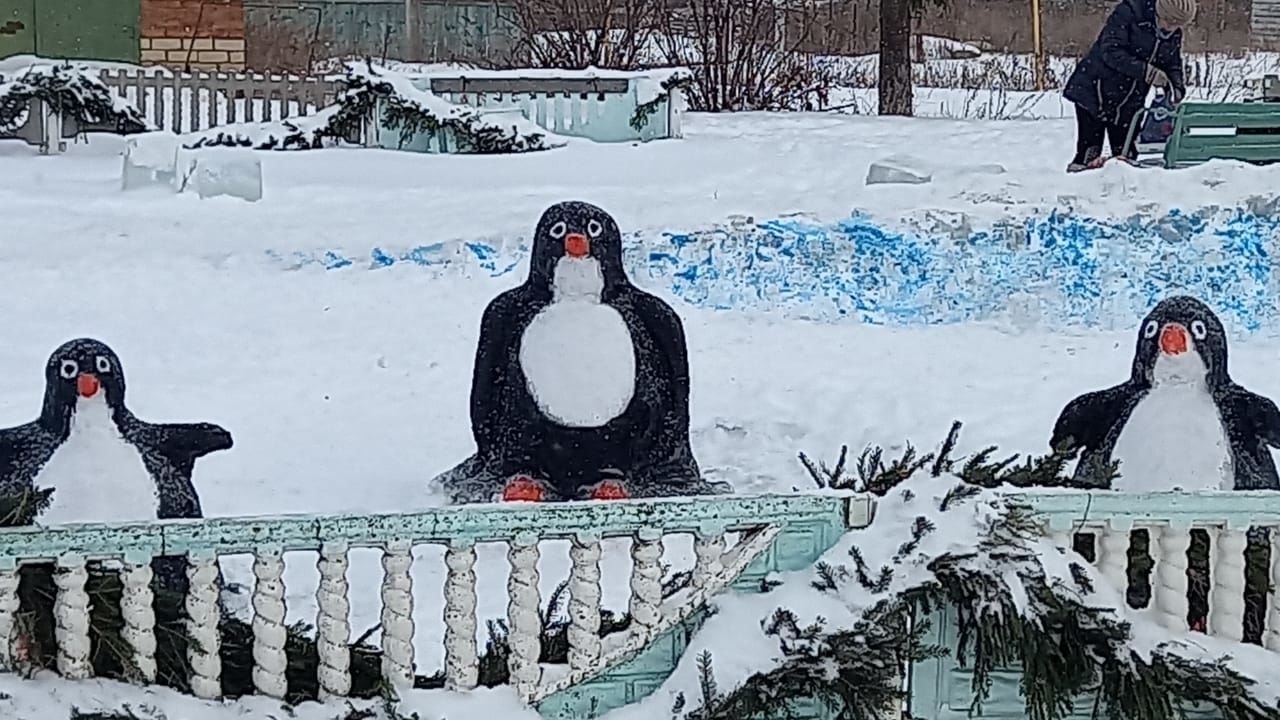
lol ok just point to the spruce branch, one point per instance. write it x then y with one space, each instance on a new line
826 478
1075 655
707 681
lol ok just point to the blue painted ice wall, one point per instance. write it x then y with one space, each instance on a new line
1053 267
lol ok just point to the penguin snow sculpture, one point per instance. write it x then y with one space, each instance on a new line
104 464
1179 421
581 380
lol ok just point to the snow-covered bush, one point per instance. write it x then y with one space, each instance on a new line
948 532
409 110
72 91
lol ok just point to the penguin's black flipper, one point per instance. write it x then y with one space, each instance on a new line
181 444
489 376
1253 427
663 454
1085 421
1257 413
23 451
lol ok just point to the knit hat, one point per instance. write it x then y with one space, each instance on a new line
1176 12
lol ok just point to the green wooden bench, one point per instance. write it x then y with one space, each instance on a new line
1228 131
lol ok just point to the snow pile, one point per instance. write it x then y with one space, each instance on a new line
19 64
1052 266
964 532
48 697
933 47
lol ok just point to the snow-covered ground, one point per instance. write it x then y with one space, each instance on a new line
346 390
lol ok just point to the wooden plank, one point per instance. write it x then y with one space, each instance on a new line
529 85
481 523
1239 508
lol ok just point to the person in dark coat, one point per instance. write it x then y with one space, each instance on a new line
1140 47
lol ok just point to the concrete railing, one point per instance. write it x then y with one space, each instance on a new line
775 533
1106 523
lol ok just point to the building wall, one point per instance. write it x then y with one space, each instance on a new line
195 34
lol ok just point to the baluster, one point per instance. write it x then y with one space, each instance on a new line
397 614
524 614
202 626
139 616
461 662
8 613
708 550
269 661
1169 592
584 602
646 580
1113 557
71 617
333 628
1227 573
1271 639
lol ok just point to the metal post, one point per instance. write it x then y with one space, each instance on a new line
1038 58
412 32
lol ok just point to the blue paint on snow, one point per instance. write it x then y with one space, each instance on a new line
1053 268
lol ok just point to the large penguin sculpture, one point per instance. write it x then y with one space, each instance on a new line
102 462
1178 421
581 382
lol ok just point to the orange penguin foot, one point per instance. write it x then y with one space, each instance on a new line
523 488
610 490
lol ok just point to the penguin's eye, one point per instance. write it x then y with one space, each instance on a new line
558 230
1150 330
103 364
69 369
1198 330
594 228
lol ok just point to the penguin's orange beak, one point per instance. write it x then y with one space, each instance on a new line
1173 339
576 245
88 385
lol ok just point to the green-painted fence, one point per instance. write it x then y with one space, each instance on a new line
776 533
82 29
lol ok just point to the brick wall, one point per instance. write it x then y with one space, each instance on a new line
202 34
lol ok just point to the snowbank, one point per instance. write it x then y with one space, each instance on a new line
18 64
1053 266
48 697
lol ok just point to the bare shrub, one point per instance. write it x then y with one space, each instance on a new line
747 54
576 34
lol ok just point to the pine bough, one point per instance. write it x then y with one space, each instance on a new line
75 92
409 110
844 633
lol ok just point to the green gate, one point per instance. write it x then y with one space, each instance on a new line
17 27
81 29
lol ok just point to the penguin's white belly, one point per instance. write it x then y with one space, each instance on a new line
97 475
579 361
1174 438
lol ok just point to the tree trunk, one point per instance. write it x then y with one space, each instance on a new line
895 57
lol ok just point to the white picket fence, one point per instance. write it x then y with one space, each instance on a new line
191 102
